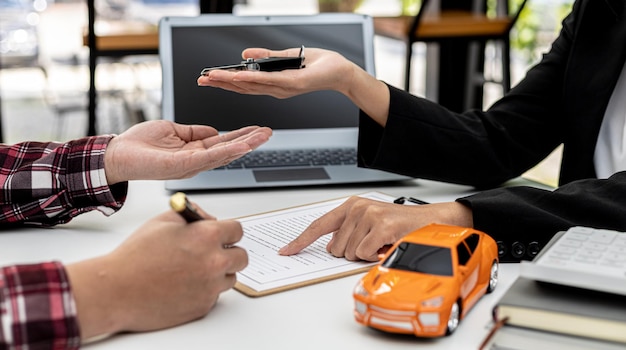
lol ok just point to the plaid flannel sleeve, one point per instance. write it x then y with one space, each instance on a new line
37 309
50 183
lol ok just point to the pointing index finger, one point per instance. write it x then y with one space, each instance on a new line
326 224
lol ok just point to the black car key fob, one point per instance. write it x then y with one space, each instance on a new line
268 64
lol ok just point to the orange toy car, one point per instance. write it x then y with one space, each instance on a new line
428 281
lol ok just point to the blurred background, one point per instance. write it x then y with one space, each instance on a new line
44 72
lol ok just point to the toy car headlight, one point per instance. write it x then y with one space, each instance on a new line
433 302
360 290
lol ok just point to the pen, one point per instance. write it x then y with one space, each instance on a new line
401 200
181 205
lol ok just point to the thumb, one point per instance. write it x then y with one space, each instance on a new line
257 53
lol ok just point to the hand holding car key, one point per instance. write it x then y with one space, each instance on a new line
268 64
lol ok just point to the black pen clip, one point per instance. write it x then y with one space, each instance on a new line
402 200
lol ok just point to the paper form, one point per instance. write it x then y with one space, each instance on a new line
265 234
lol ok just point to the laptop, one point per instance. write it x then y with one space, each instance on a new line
315 135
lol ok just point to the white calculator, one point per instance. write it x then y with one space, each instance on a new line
582 257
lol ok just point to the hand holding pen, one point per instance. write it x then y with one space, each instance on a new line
179 202
166 273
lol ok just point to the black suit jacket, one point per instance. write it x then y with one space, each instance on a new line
560 101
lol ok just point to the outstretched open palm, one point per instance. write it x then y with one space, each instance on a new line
160 150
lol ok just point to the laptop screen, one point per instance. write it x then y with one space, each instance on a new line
190 44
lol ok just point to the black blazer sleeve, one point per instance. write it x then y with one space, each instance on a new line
523 219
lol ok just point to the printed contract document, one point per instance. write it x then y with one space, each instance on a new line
264 234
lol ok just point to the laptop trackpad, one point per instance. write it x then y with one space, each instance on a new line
290 174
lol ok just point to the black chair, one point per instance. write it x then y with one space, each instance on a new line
141 42
448 26
97 48
216 6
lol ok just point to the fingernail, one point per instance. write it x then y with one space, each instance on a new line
282 250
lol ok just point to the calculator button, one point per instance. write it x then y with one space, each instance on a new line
620 241
584 260
581 230
596 246
590 254
618 250
578 237
603 236
612 265
571 243
615 257
564 250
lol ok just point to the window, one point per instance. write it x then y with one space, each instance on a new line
472 242
421 258
463 253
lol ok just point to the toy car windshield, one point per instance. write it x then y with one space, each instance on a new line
421 258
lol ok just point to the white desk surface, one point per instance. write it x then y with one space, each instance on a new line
312 317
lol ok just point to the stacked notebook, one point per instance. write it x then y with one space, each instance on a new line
561 314
551 307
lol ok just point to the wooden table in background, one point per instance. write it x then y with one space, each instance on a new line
115 39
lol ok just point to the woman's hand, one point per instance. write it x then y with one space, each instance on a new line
363 227
324 70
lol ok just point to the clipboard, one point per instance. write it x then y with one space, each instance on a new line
255 293
269 273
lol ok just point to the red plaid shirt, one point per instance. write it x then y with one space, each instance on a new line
50 183
46 184
37 310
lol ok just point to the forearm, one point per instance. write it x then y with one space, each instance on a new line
93 285
425 140
50 183
37 306
369 94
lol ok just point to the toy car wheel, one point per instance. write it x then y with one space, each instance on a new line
453 320
493 277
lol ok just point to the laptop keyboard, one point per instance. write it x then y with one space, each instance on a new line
287 158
